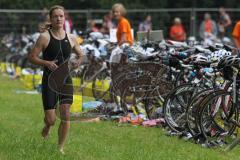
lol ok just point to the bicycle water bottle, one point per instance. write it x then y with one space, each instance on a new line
191 75
182 55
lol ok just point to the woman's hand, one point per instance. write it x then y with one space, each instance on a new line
51 65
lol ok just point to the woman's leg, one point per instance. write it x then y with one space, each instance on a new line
64 125
49 120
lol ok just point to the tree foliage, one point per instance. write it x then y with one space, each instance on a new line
106 4
27 4
162 20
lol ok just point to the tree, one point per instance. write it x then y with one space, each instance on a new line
27 4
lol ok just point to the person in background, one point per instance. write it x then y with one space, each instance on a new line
177 32
44 17
123 26
224 22
236 34
146 25
107 23
208 27
92 26
68 24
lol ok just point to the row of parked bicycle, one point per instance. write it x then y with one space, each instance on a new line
193 87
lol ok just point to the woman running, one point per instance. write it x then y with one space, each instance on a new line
56 46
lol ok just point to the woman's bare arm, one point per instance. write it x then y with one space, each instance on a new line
77 50
37 49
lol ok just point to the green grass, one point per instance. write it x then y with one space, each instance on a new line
21 121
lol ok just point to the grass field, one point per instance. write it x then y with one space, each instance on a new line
21 121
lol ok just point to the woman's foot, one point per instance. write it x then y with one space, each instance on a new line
61 150
45 131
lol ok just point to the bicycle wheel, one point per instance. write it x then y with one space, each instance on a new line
101 85
192 111
175 105
154 107
84 74
216 115
89 70
155 100
129 102
179 80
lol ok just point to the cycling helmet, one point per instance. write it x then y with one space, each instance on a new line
223 52
217 55
172 51
226 40
225 64
199 59
229 61
222 63
232 61
191 41
138 50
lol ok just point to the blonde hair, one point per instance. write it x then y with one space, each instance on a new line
121 7
47 25
177 20
54 8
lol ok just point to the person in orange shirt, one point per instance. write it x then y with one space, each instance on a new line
123 26
208 27
177 32
236 34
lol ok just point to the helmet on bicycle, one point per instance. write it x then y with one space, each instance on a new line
229 61
217 55
199 59
232 61
172 51
225 64
222 62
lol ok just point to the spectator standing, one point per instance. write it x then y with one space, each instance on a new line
107 23
224 22
208 27
236 34
177 32
68 24
123 26
146 25
92 27
44 16
43 19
